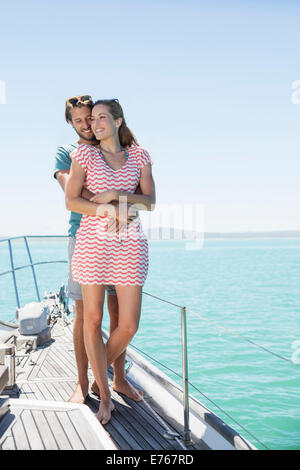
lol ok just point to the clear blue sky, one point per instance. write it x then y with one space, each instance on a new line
206 88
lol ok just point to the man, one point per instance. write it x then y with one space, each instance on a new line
78 114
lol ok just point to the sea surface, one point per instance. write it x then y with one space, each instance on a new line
246 288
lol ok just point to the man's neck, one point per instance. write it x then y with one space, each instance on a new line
82 141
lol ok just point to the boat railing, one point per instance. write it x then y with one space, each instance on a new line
31 264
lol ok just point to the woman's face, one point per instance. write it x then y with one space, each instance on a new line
103 124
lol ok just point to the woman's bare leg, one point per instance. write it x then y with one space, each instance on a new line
129 300
93 298
119 363
120 383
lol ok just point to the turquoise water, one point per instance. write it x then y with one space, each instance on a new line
249 286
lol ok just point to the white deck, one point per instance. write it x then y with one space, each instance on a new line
49 373
35 425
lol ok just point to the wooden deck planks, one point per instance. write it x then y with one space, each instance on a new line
197 444
57 391
54 378
71 431
8 444
20 434
88 438
27 393
60 361
115 424
37 429
58 430
143 425
154 427
33 431
47 435
141 429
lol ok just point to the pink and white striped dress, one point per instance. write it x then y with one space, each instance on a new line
101 257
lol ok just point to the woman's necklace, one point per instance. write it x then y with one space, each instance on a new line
122 150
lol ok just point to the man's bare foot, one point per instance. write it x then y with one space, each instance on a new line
105 410
123 386
95 388
80 394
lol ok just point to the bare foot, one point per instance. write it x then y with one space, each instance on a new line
105 410
80 394
95 388
123 386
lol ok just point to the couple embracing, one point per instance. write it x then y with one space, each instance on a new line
107 178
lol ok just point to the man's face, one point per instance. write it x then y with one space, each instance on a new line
81 121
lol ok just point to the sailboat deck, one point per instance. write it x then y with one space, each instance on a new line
49 373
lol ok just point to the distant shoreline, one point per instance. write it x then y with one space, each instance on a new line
276 234
176 234
179 235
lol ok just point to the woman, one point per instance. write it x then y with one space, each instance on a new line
107 251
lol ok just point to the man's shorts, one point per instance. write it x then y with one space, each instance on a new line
74 288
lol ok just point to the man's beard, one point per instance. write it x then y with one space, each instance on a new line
92 139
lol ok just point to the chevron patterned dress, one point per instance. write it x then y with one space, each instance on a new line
101 257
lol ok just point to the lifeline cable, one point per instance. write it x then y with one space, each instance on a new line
240 336
209 399
233 333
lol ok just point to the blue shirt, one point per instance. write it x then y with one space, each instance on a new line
63 162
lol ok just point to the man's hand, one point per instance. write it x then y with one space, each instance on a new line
123 216
105 197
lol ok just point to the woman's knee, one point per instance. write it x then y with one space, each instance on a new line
129 329
92 319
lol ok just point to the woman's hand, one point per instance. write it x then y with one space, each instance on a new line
122 216
105 197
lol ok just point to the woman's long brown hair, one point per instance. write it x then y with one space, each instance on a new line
127 139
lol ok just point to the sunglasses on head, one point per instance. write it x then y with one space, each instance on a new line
107 100
79 99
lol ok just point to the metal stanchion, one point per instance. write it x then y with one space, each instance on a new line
186 430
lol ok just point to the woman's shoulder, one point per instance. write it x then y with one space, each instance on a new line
83 154
142 155
136 150
87 148
83 149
